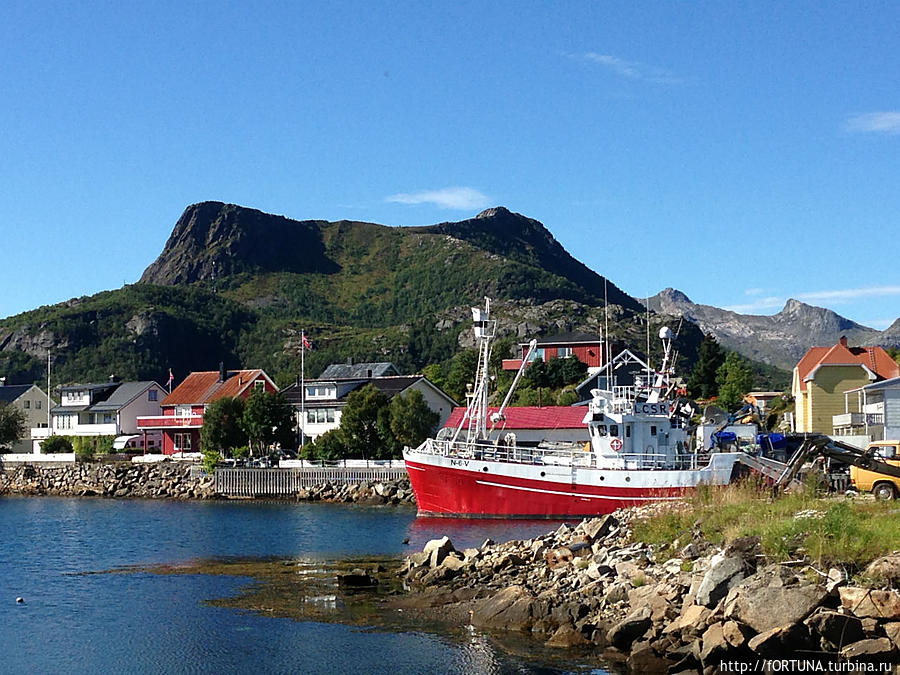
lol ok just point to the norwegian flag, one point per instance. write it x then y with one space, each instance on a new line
305 341
171 377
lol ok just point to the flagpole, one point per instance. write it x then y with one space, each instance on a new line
302 388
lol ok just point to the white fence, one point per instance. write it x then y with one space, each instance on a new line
33 457
252 482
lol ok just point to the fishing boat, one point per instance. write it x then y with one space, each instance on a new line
638 450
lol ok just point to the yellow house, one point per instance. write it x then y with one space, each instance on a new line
825 373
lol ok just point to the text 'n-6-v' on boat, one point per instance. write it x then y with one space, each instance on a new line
638 450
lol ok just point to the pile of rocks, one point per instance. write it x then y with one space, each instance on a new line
591 587
367 492
122 480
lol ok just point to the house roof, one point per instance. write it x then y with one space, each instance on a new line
11 392
390 385
873 359
204 386
572 338
124 394
343 371
531 417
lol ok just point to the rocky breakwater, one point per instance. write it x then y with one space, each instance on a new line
393 492
591 588
120 480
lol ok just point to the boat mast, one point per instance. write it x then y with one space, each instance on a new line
475 418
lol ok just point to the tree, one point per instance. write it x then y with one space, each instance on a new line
535 375
267 419
703 383
735 378
330 446
12 424
56 444
411 420
222 426
363 423
461 373
565 370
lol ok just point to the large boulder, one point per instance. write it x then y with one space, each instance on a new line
725 572
835 630
767 607
884 571
630 628
509 609
437 550
866 602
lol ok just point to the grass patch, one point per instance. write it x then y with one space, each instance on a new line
823 530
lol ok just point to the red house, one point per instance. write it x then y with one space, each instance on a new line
586 347
183 409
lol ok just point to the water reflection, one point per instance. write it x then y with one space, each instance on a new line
472 532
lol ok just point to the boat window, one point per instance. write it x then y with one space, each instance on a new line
627 431
601 429
653 430
613 429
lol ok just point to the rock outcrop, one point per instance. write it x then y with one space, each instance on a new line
589 587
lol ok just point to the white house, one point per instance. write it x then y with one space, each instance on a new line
108 409
871 413
322 400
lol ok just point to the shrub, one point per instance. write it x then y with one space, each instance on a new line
56 444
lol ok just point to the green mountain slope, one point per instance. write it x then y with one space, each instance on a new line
238 285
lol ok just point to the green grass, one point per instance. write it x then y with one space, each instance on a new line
835 530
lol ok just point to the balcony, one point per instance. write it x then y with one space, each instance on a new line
857 420
170 422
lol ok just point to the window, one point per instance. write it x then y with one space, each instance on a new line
653 431
613 429
563 352
601 429
182 411
260 384
311 416
331 412
627 431
182 442
26 404
152 394
37 404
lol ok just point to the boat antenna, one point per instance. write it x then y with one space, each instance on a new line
649 369
499 415
607 350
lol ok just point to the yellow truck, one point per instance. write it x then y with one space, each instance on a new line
883 486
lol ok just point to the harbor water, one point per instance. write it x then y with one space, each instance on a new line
89 607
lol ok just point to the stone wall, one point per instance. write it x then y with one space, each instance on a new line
154 481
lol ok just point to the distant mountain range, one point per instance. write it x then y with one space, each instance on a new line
779 340
235 284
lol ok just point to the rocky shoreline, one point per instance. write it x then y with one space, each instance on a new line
119 480
168 480
590 588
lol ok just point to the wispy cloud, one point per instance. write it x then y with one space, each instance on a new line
759 305
633 70
463 198
876 122
827 297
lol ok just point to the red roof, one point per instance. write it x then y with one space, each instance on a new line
875 359
204 386
531 417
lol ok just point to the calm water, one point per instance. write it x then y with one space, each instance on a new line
147 623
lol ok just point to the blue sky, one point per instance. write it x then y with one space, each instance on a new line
743 153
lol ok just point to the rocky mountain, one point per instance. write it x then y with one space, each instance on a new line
779 340
238 285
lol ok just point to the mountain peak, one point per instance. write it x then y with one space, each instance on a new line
494 212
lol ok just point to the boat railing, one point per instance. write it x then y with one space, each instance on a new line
501 452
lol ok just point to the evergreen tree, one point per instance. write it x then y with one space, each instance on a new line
12 424
222 430
735 378
412 421
702 382
363 422
267 419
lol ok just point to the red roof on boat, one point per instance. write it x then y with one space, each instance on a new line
531 417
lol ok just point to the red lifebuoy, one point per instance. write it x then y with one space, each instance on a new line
616 444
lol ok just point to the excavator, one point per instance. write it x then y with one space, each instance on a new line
812 446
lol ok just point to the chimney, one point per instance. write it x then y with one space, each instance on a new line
843 340
221 371
369 373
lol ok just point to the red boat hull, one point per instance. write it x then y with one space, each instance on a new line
446 491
